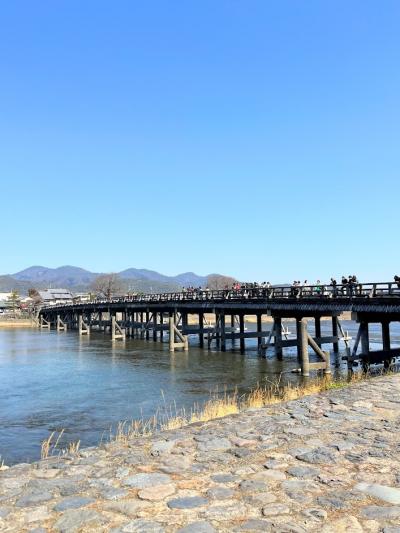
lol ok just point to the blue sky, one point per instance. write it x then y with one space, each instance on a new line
253 138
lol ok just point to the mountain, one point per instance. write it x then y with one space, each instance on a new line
182 280
66 276
8 284
78 279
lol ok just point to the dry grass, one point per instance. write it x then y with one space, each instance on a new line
220 405
50 446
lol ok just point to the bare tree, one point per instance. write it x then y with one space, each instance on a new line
107 285
218 282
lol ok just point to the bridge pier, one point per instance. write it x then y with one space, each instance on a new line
60 325
83 327
242 341
201 329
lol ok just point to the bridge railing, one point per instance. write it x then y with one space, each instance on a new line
348 291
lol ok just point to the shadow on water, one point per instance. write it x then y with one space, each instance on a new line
51 381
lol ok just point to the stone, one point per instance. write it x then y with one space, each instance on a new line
215 444
197 527
318 456
37 514
142 526
303 472
229 510
382 492
380 512
220 493
273 464
319 515
254 524
114 494
143 481
75 519
270 475
187 502
127 507
161 447
72 503
301 431
274 509
289 527
224 478
332 502
157 493
253 485
33 497
346 524
4 511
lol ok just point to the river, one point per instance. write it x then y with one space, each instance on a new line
52 381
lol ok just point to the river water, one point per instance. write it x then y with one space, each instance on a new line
51 381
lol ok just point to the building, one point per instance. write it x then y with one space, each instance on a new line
55 296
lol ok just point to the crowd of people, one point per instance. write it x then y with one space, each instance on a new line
349 285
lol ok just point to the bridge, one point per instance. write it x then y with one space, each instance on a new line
181 315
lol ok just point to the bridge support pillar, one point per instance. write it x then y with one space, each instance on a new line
233 330
317 322
201 330
259 331
44 324
162 325
83 328
223 332
302 336
335 334
155 326
278 337
147 324
175 333
117 333
61 326
241 330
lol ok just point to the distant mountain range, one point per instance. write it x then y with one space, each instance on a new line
78 279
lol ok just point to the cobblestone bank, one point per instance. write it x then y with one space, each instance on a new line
324 463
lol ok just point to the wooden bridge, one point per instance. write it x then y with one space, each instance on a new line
157 315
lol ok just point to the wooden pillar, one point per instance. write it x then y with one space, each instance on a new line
233 330
112 327
141 325
223 332
147 323
241 330
364 337
171 333
278 337
317 322
303 345
335 334
184 322
161 324
217 330
80 324
155 326
201 332
259 330
386 335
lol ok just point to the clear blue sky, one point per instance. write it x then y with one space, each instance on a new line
254 138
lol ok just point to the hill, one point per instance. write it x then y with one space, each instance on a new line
78 279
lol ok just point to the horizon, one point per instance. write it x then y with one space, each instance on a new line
240 138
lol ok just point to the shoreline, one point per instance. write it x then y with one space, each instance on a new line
321 463
17 323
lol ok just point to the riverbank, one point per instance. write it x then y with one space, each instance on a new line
17 323
323 463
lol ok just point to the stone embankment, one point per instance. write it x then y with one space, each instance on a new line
326 463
